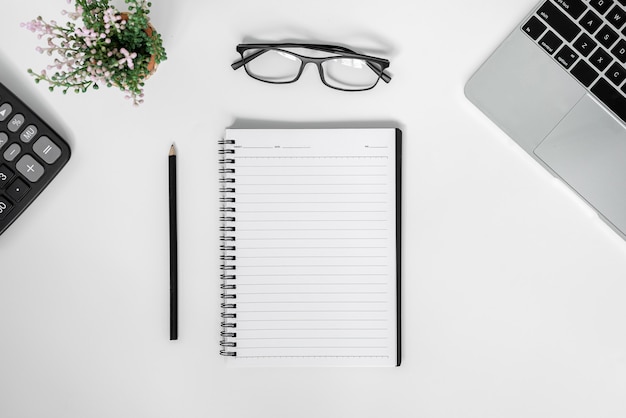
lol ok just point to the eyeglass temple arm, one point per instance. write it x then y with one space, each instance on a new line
238 64
383 75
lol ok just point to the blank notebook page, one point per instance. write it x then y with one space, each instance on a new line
314 250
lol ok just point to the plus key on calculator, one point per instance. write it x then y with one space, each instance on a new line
31 155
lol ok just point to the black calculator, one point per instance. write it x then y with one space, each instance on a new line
31 155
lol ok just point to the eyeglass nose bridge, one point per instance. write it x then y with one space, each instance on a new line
318 63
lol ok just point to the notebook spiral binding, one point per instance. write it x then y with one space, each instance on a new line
227 247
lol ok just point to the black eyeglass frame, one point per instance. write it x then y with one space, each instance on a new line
378 65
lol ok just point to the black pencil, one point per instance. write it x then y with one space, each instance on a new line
173 248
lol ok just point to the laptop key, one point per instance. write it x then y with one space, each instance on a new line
611 97
601 5
566 56
534 28
559 21
617 17
600 59
550 42
575 8
607 36
620 51
584 73
591 22
585 44
616 74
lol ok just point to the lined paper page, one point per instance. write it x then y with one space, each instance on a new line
315 246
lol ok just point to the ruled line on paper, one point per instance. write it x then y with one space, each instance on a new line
309 193
336 356
307 175
272 255
307 274
307 301
310 347
311 338
311 293
312 184
309 220
312 320
304 202
280 157
310 248
312 329
306 239
311 166
310 211
315 311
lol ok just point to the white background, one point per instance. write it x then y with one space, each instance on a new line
513 290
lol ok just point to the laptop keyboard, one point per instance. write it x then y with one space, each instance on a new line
588 39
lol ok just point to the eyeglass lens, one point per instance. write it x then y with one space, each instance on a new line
281 66
273 65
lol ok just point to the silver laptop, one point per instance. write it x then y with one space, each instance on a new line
557 86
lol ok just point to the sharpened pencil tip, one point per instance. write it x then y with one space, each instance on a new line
172 150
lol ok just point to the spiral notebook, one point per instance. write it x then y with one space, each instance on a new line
310 246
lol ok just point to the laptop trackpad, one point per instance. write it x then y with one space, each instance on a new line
588 151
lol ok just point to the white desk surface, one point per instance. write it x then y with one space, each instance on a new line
513 290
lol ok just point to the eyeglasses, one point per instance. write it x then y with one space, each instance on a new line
339 67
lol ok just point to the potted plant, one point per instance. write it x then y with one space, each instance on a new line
100 46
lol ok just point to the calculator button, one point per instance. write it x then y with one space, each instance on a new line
17 190
4 138
5 111
30 168
47 150
5 175
29 133
16 123
5 207
12 152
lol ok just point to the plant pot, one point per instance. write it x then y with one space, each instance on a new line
152 65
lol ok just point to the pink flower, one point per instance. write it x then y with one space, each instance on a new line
34 25
128 58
